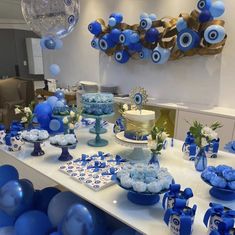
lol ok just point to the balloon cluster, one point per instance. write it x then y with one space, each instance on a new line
26 211
52 20
44 113
164 39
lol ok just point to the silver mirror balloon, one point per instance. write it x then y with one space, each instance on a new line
55 18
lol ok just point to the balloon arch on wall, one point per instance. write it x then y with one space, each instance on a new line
198 33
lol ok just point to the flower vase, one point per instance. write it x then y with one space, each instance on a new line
154 159
28 126
201 160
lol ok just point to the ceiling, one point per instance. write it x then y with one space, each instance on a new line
10 9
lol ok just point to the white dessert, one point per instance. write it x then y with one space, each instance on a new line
140 116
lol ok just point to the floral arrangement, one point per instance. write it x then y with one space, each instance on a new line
72 119
27 113
157 138
204 134
125 107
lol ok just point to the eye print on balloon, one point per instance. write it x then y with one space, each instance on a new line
160 55
187 39
122 56
204 5
214 34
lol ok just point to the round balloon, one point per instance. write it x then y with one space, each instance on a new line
52 100
59 94
44 198
8 173
51 18
54 70
33 222
42 109
78 221
59 206
55 125
6 220
7 231
16 197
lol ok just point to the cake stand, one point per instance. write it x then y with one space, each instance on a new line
138 153
98 141
65 155
37 151
102 130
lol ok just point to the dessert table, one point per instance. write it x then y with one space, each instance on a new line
113 200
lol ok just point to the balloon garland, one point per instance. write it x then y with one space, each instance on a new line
198 33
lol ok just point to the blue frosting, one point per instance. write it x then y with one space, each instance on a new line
133 136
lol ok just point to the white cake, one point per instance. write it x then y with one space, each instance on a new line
138 124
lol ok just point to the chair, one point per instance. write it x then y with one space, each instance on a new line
13 92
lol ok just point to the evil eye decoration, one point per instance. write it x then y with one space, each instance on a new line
144 15
68 2
152 35
71 19
138 99
217 9
214 34
176 221
160 55
134 37
145 54
146 23
95 28
124 37
106 43
204 5
153 17
205 16
181 24
187 39
115 34
136 47
95 43
115 18
122 56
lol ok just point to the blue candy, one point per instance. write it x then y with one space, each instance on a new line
218 181
231 185
229 175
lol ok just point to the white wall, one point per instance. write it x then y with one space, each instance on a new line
202 80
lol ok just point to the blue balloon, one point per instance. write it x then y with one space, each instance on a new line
78 221
106 42
59 43
43 109
64 101
44 121
50 43
95 28
217 9
7 231
16 197
59 104
152 35
145 54
6 220
205 16
59 94
55 125
33 223
125 37
136 47
115 34
8 173
134 38
44 197
112 21
60 204
122 56
52 100
54 70
124 231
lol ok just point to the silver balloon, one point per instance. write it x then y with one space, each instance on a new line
51 17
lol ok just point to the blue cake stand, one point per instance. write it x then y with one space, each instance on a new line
37 151
98 141
144 199
65 155
223 194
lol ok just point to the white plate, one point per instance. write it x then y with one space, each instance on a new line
121 137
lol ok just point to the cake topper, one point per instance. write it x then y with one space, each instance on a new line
139 97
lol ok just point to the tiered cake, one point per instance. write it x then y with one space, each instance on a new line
138 124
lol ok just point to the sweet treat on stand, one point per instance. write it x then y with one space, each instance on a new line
63 140
138 123
97 104
35 135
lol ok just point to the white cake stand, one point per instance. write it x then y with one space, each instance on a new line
139 150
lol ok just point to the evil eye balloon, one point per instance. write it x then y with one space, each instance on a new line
138 99
160 55
134 38
181 24
145 53
205 16
51 43
187 39
55 70
115 18
152 35
115 34
153 17
95 27
95 43
144 15
56 19
214 34
146 23
122 56
136 47
124 37
105 42
217 9
204 5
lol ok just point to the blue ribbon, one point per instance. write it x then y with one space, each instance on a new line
97 166
224 227
118 159
111 171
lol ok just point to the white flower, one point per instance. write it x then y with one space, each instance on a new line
125 107
206 131
72 114
17 111
149 137
133 107
24 119
152 144
79 118
65 120
213 135
71 126
163 135
27 110
204 142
